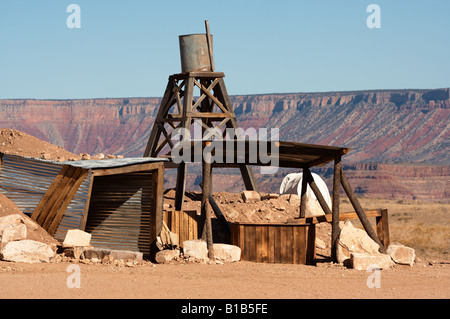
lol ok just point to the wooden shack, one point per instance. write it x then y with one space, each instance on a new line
118 201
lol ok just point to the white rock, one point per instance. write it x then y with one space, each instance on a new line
354 240
250 196
166 255
227 253
13 232
361 261
195 248
27 251
320 243
401 254
13 219
76 238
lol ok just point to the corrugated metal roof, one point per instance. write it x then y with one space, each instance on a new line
111 163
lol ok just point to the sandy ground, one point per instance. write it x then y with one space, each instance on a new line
240 280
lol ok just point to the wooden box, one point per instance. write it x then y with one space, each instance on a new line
182 223
275 243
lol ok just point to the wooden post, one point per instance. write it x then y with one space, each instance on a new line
316 191
335 231
383 228
360 212
185 123
303 197
206 206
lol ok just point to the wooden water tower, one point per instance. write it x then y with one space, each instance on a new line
181 107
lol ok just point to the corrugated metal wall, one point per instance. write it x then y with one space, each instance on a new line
25 181
121 211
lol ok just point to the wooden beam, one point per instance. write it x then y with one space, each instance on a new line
70 195
185 123
206 206
303 197
383 228
126 169
335 230
342 217
37 215
316 191
359 210
156 133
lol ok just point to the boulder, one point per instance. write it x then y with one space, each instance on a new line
13 219
401 254
227 253
354 240
362 261
76 238
13 232
250 196
167 255
101 253
195 248
27 251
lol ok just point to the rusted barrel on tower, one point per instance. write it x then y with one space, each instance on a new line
194 53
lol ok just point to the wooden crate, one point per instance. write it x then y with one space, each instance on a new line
182 223
275 243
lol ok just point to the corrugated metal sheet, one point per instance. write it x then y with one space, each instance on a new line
25 180
116 162
121 211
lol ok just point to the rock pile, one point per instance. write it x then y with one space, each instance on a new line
14 243
358 251
196 251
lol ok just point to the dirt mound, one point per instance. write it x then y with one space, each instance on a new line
15 142
34 231
271 208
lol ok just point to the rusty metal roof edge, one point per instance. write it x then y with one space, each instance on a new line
111 163
89 164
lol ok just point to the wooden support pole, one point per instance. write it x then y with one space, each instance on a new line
206 206
335 231
303 197
315 189
180 186
383 228
219 215
360 212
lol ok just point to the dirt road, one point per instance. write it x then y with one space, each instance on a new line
239 280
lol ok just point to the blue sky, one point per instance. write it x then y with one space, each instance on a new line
129 48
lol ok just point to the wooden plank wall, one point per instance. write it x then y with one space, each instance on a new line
53 204
182 223
275 243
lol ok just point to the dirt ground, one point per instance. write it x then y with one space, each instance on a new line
240 280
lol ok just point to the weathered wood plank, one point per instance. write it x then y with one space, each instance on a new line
335 230
36 216
383 228
70 195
